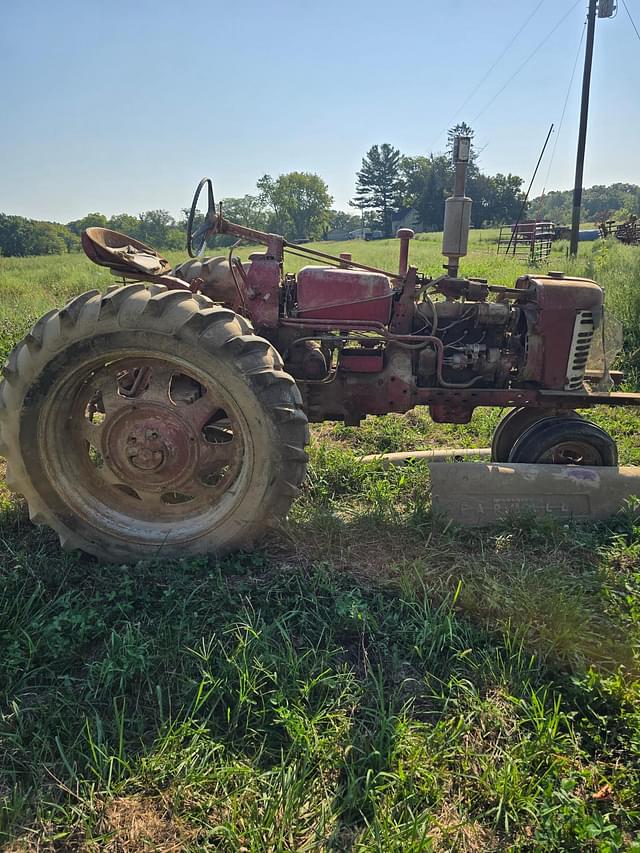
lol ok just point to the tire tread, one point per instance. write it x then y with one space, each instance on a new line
175 313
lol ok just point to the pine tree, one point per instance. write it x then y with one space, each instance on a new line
379 183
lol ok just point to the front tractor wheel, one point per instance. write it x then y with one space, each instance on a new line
147 422
515 423
565 441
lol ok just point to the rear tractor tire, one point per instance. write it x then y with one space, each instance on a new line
151 423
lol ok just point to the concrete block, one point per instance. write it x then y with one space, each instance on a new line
474 494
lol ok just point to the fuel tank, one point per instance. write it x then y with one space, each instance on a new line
330 293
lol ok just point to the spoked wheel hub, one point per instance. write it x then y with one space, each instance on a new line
147 436
159 446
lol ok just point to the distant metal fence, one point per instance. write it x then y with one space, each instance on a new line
526 240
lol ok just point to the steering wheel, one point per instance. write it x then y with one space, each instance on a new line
197 240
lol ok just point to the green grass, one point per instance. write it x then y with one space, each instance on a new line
369 680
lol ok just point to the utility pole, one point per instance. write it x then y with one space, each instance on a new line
582 134
606 10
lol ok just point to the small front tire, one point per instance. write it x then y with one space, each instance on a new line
514 424
565 441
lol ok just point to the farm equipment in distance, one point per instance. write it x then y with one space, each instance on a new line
168 416
626 232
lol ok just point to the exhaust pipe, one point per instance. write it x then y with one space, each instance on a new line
457 209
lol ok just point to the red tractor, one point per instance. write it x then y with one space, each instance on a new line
168 416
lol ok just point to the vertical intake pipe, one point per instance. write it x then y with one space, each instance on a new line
404 235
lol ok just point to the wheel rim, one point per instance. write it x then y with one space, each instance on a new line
146 449
571 453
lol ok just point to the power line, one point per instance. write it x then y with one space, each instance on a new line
483 80
526 62
514 230
564 108
504 52
626 8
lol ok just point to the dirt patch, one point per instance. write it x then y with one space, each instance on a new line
454 832
136 824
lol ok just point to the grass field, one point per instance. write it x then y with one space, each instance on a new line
366 681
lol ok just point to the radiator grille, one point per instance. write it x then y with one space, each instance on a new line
583 331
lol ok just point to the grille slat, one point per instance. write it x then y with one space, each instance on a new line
583 331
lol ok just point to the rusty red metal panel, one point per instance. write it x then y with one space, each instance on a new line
330 293
456 412
361 361
404 308
551 317
393 390
263 290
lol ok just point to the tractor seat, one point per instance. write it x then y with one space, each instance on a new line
122 254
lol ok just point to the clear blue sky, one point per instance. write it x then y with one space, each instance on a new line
123 106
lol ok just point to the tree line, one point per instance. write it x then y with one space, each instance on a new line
389 184
21 237
390 188
599 204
